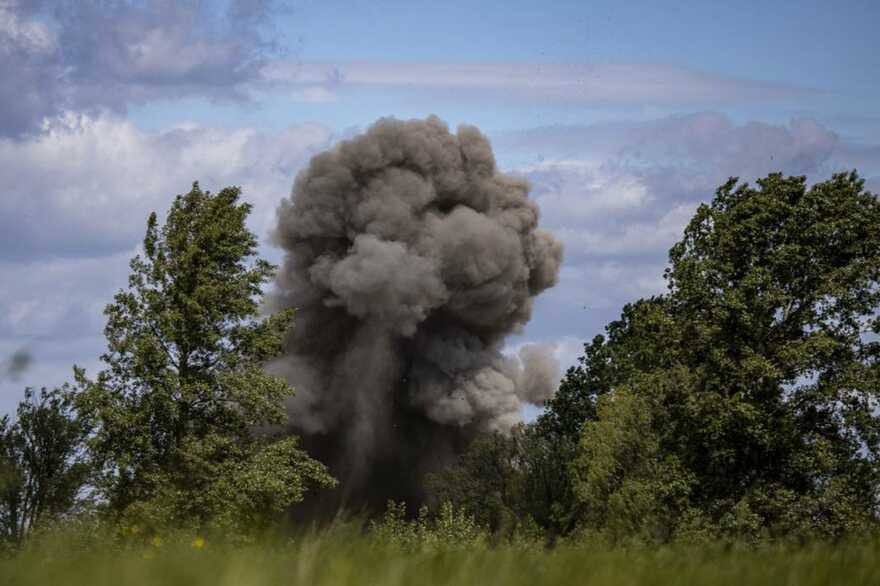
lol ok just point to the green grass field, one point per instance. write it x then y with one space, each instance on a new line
317 561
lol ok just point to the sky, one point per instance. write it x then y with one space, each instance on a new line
624 117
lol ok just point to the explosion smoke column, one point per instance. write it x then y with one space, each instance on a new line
409 260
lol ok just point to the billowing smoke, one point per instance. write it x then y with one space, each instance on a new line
409 260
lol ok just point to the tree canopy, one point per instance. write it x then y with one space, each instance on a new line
744 401
43 466
181 414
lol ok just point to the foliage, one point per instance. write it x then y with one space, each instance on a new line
775 289
744 402
741 407
630 489
42 467
637 342
510 483
449 529
486 481
176 411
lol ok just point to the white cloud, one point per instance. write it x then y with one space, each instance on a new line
619 196
559 188
622 239
85 185
53 308
706 142
76 198
60 297
29 35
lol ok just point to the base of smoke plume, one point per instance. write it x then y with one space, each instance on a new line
421 447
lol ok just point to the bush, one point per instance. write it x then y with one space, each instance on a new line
449 529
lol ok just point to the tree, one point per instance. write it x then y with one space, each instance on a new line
180 412
42 464
777 291
629 484
638 341
510 483
757 373
486 481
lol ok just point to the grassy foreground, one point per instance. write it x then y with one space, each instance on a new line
317 561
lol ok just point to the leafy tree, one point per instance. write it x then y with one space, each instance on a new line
776 291
513 483
640 341
486 481
176 413
42 465
629 485
772 313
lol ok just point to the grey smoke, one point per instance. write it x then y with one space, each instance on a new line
409 258
540 373
16 365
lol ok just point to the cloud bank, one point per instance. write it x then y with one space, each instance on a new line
77 194
88 55
85 186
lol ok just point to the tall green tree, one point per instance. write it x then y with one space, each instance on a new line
42 463
769 333
179 414
777 291
643 339
638 341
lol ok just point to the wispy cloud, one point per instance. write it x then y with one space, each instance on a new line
594 83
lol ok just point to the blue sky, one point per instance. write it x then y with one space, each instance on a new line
826 47
624 117
785 41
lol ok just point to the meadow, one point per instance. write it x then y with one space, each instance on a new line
331 558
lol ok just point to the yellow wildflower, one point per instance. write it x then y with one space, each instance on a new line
198 542
156 541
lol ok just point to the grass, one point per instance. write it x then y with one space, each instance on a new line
331 559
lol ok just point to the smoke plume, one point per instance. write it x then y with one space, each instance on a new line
409 259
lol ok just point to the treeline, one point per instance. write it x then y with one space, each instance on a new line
740 405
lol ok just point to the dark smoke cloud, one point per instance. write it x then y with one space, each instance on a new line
410 259
16 365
